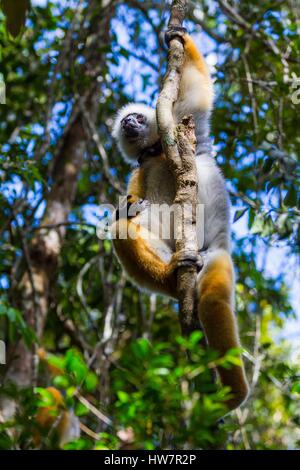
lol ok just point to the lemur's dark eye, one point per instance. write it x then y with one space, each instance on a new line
140 118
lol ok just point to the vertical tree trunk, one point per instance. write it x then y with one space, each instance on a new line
179 147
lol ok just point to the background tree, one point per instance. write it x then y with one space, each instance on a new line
116 351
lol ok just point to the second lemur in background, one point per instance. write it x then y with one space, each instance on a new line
149 259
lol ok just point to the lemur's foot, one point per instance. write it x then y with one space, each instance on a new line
131 207
136 206
177 32
187 258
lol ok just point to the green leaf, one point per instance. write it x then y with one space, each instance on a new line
239 213
296 387
195 337
61 381
258 224
91 381
79 444
141 348
81 409
123 396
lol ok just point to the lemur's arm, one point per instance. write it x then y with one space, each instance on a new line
136 186
135 201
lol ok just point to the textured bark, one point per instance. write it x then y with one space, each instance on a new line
178 12
179 147
32 292
186 197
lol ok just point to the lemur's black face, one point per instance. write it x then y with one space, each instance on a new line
134 126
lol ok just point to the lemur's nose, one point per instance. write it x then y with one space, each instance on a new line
129 121
130 126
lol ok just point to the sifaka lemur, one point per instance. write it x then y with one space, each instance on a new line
149 259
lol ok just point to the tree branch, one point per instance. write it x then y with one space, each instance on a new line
179 147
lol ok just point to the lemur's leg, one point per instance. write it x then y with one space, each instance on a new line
146 258
215 302
196 87
139 250
194 56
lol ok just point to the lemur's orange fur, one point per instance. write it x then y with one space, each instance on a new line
142 263
193 56
137 254
215 294
136 185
